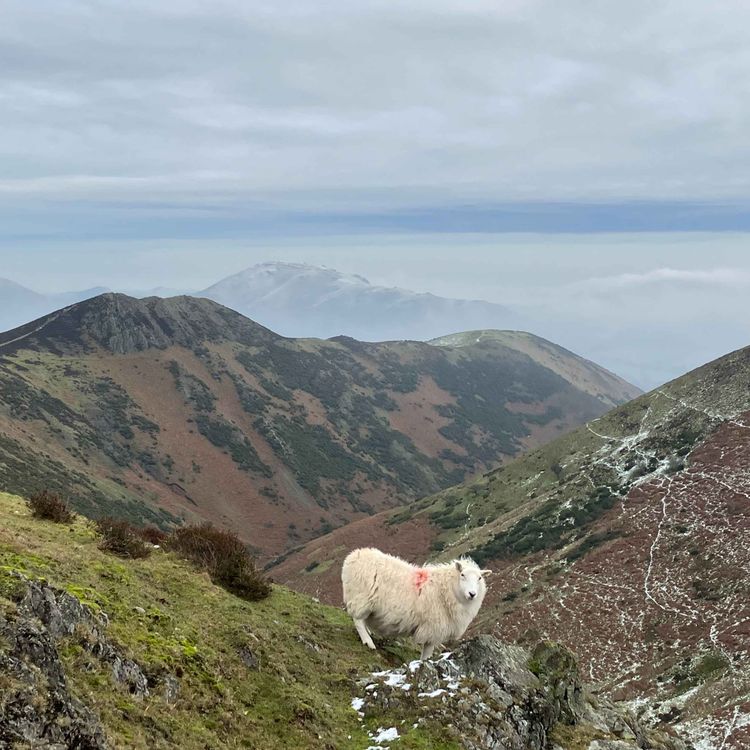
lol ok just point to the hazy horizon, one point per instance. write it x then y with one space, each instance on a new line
649 308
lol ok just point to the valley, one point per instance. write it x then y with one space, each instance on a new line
166 410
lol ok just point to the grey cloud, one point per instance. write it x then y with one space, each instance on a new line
512 101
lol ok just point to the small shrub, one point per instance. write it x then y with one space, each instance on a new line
223 556
152 534
50 506
121 538
437 545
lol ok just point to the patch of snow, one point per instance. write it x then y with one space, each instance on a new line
395 679
385 735
449 676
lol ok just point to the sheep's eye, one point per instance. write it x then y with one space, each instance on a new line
462 575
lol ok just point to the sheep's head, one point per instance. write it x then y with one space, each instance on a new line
471 587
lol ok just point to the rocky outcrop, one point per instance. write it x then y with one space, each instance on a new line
63 615
493 696
37 708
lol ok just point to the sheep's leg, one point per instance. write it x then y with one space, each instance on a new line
427 649
364 634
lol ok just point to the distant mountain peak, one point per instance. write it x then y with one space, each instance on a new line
298 299
273 270
14 292
123 324
10 284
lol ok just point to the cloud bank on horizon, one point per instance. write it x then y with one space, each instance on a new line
191 119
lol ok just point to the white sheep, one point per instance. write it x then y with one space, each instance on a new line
434 604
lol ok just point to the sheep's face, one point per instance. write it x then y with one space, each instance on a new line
471 587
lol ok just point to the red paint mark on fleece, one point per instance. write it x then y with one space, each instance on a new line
420 578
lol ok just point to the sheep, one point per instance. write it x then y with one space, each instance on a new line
433 604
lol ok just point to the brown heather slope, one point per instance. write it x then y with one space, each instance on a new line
628 540
162 410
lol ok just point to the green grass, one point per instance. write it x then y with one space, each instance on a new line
307 653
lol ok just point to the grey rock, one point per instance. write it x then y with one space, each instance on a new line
63 615
171 689
39 710
493 696
248 657
308 644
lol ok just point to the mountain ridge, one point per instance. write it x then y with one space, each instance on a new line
590 376
182 408
123 324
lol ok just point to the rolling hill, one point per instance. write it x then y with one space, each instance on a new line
627 539
160 410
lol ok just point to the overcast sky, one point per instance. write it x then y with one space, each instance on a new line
561 155
184 118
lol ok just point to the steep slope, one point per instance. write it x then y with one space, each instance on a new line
98 652
297 299
628 540
163 409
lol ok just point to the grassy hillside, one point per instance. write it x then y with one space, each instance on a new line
164 409
270 674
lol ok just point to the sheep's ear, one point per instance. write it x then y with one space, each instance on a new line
485 572
459 567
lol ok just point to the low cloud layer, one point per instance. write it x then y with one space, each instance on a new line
716 278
